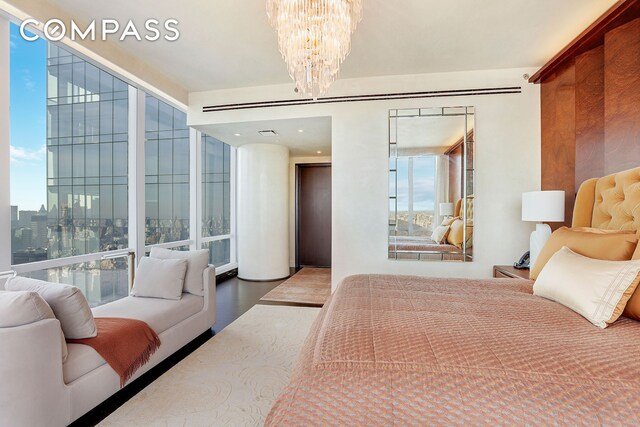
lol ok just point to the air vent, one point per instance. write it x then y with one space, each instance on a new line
268 132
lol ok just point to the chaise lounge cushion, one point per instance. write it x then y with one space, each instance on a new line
197 262
67 302
24 307
159 278
160 314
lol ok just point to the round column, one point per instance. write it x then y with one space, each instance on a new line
263 212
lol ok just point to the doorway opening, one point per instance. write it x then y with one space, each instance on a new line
313 215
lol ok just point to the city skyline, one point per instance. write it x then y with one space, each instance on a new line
69 162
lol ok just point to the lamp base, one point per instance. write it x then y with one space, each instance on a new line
537 242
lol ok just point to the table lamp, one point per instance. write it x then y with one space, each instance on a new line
446 209
541 206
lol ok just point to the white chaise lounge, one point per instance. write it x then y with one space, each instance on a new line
38 389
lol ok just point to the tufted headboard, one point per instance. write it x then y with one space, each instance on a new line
458 209
611 202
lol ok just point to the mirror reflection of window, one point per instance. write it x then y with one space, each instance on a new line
431 184
416 195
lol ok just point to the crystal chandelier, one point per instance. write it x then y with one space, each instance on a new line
314 37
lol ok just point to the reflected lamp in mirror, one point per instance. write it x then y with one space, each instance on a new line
446 209
541 207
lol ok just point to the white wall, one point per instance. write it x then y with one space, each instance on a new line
507 163
293 161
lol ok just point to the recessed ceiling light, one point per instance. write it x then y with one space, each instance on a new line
300 130
319 152
236 134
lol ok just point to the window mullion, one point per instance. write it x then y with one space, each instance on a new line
195 188
136 171
5 162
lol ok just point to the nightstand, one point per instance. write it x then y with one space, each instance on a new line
509 272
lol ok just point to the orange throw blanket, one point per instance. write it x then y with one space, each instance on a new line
125 344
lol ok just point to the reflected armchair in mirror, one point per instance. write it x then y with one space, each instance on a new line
431 171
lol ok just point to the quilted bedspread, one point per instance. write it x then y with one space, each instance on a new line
400 350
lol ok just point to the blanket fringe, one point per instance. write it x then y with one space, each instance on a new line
140 361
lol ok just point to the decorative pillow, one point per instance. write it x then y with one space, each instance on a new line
636 254
456 234
197 262
632 310
25 307
609 246
448 221
596 289
159 278
67 302
439 234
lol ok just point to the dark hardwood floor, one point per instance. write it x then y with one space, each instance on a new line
234 297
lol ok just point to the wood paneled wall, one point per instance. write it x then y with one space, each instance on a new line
589 115
558 103
622 98
591 111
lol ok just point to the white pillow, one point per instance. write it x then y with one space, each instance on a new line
22 308
67 302
440 233
596 289
197 262
159 278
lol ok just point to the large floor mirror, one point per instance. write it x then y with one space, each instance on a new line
431 169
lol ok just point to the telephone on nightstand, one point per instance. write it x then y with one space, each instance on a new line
523 263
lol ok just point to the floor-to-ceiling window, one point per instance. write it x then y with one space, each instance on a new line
416 195
216 200
87 135
28 152
71 150
166 173
69 170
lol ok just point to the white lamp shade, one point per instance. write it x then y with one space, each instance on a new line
543 206
446 209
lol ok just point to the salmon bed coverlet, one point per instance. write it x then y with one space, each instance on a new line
400 350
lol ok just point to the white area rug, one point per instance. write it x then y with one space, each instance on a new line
231 380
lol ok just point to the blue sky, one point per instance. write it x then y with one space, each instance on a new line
28 121
424 174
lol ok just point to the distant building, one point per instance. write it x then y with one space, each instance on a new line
24 218
94 216
39 229
14 217
29 255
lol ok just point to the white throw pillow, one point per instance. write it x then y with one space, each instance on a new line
22 308
67 302
440 233
197 262
596 289
159 278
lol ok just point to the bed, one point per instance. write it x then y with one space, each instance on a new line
403 350
424 248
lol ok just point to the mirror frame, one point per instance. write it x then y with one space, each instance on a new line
468 166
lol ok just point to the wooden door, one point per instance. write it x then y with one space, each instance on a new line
313 216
